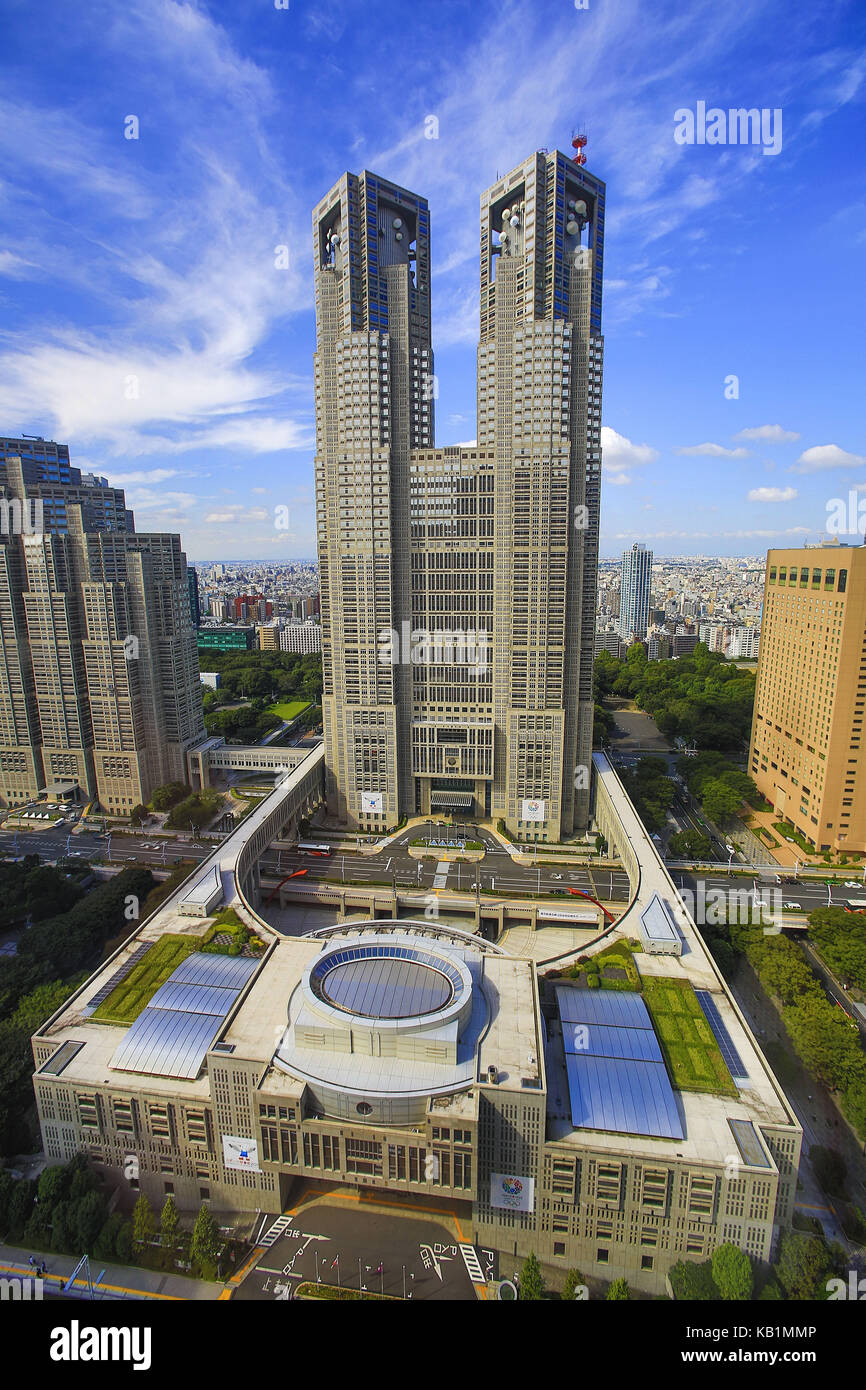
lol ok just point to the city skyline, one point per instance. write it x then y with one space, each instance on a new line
173 355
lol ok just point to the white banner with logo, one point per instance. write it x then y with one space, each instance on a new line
241 1153
371 801
510 1192
533 810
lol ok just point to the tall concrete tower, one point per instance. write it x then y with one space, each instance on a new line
374 404
458 584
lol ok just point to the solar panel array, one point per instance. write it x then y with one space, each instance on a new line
617 1079
733 1060
172 1035
103 992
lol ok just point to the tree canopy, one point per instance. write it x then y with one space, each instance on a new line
701 698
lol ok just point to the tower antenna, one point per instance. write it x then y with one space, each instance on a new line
578 141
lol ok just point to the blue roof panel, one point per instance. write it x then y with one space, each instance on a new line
622 1097
617 1008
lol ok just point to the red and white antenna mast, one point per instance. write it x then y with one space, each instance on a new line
579 143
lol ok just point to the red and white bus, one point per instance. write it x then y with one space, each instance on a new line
320 851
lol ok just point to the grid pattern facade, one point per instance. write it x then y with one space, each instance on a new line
99 681
489 552
806 752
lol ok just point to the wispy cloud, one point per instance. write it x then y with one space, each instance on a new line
714 451
769 434
772 494
822 456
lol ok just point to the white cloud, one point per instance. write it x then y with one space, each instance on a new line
822 456
772 494
620 456
769 434
714 451
15 267
149 477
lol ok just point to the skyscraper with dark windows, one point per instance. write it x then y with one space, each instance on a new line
635 591
458 584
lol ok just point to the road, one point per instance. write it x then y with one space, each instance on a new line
807 896
51 844
497 872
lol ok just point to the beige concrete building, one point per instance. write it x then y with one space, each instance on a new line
458 584
411 1056
99 685
806 752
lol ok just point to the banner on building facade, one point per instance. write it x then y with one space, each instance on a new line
371 801
533 809
510 1192
241 1153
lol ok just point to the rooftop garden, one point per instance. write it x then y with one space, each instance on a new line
226 936
690 1050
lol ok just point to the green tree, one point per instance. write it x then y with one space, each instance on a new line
63 1226
689 844
90 1216
531 1280
123 1243
169 1222
205 1238
574 1280
804 1266
143 1222
138 814
732 1273
719 800
168 795
618 1289
21 1204
53 1185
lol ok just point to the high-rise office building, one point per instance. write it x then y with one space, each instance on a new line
194 600
634 602
458 584
99 688
806 752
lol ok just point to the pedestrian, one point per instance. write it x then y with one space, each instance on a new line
31 1261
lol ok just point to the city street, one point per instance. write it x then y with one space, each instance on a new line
497 872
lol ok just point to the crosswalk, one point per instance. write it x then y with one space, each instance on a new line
441 876
274 1232
472 1263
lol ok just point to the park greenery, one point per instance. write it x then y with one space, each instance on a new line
651 791
64 1211
825 1040
839 937
719 786
803 1266
54 955
267 676
701 698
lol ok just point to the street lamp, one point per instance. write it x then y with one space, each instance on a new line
731 852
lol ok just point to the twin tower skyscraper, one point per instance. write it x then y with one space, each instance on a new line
458 585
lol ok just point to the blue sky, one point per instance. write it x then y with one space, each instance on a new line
143 318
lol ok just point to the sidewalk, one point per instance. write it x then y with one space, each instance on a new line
118 1281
